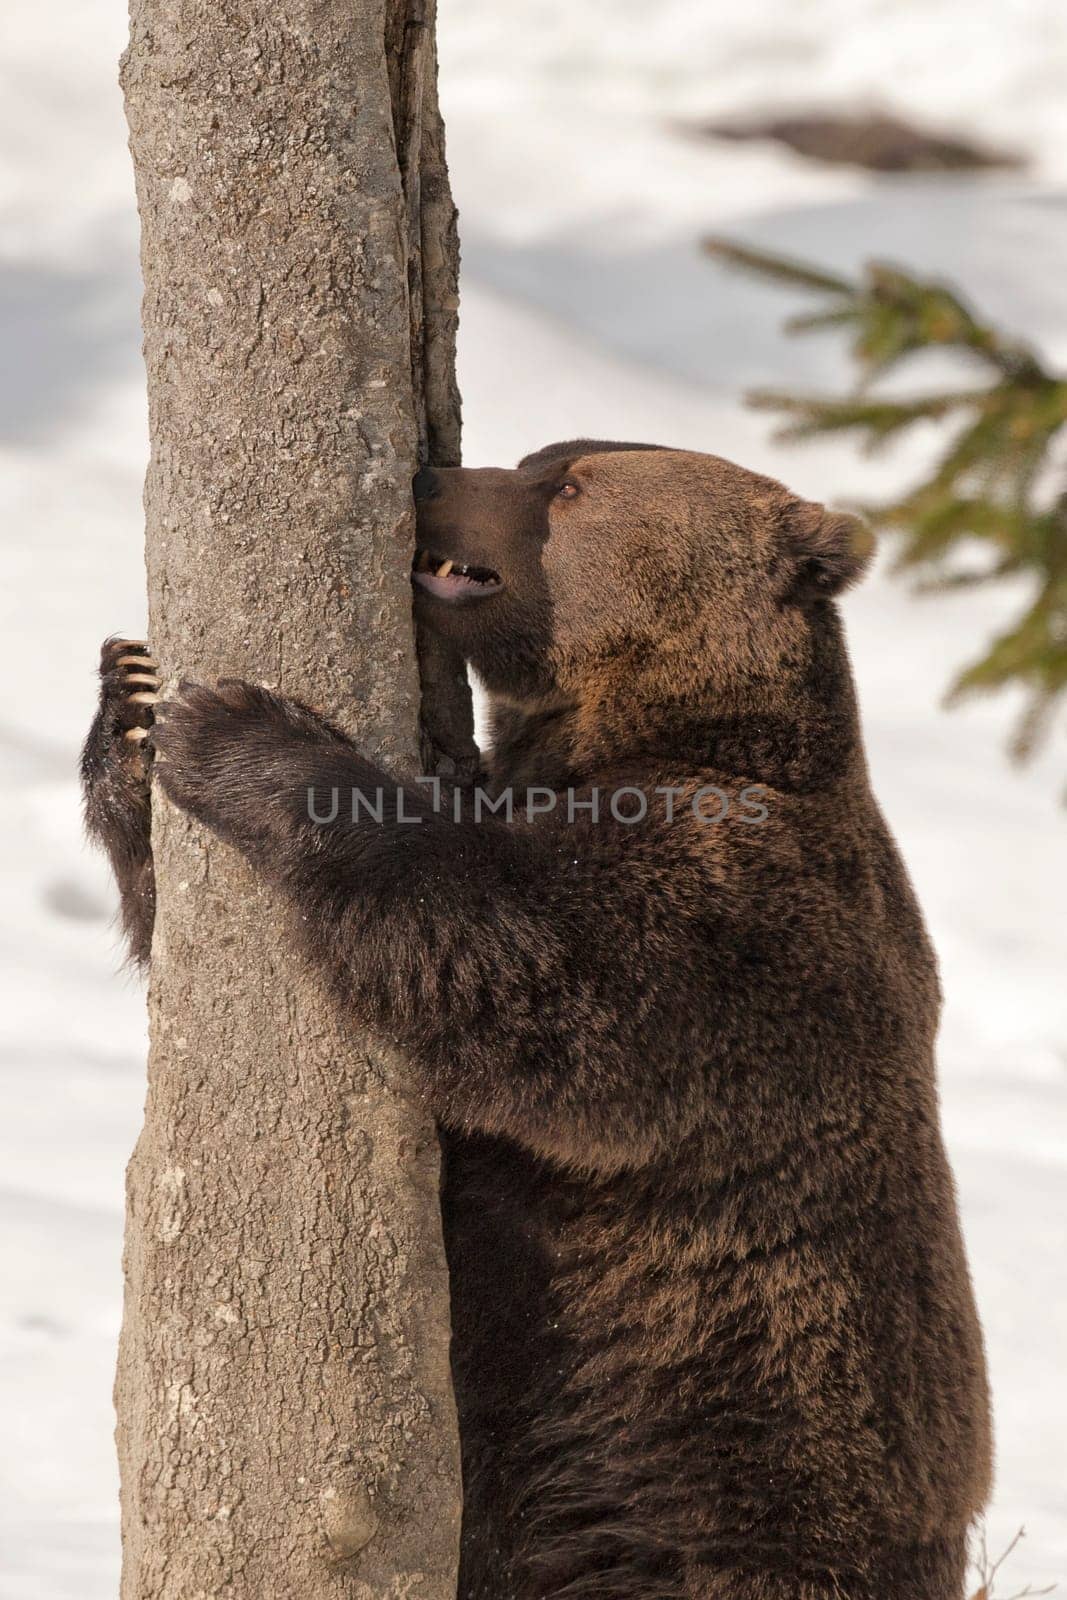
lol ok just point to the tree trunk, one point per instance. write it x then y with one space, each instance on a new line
285 1419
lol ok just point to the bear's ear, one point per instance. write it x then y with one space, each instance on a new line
825 551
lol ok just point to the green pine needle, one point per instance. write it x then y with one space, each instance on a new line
776 268
990 485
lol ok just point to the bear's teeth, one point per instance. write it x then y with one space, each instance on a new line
445 568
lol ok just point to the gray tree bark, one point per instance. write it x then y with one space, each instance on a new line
285 1418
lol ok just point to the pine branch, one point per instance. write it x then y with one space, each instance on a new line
989 485
814 414
777 269
933 524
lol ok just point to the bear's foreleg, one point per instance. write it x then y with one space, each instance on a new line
488 951
114 775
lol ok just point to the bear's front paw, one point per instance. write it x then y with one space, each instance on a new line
114 765
229 756
128 692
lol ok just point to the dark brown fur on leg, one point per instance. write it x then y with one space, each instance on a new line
714 1337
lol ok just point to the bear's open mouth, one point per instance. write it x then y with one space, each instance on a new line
453 580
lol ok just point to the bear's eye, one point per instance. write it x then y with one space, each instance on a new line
567 491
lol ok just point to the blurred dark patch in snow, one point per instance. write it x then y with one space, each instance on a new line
65 334
37 1322
70 899
872 140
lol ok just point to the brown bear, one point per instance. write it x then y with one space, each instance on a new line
663 978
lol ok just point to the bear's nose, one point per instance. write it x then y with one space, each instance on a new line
425 485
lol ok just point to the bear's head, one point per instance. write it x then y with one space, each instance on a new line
593 559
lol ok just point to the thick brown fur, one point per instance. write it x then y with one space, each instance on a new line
714 1337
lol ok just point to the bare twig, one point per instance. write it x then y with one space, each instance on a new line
987 1571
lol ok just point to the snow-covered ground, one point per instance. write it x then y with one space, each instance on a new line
587 308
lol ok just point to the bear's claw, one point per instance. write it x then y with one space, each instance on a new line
129 689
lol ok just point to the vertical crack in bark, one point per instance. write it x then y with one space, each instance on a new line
446 715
